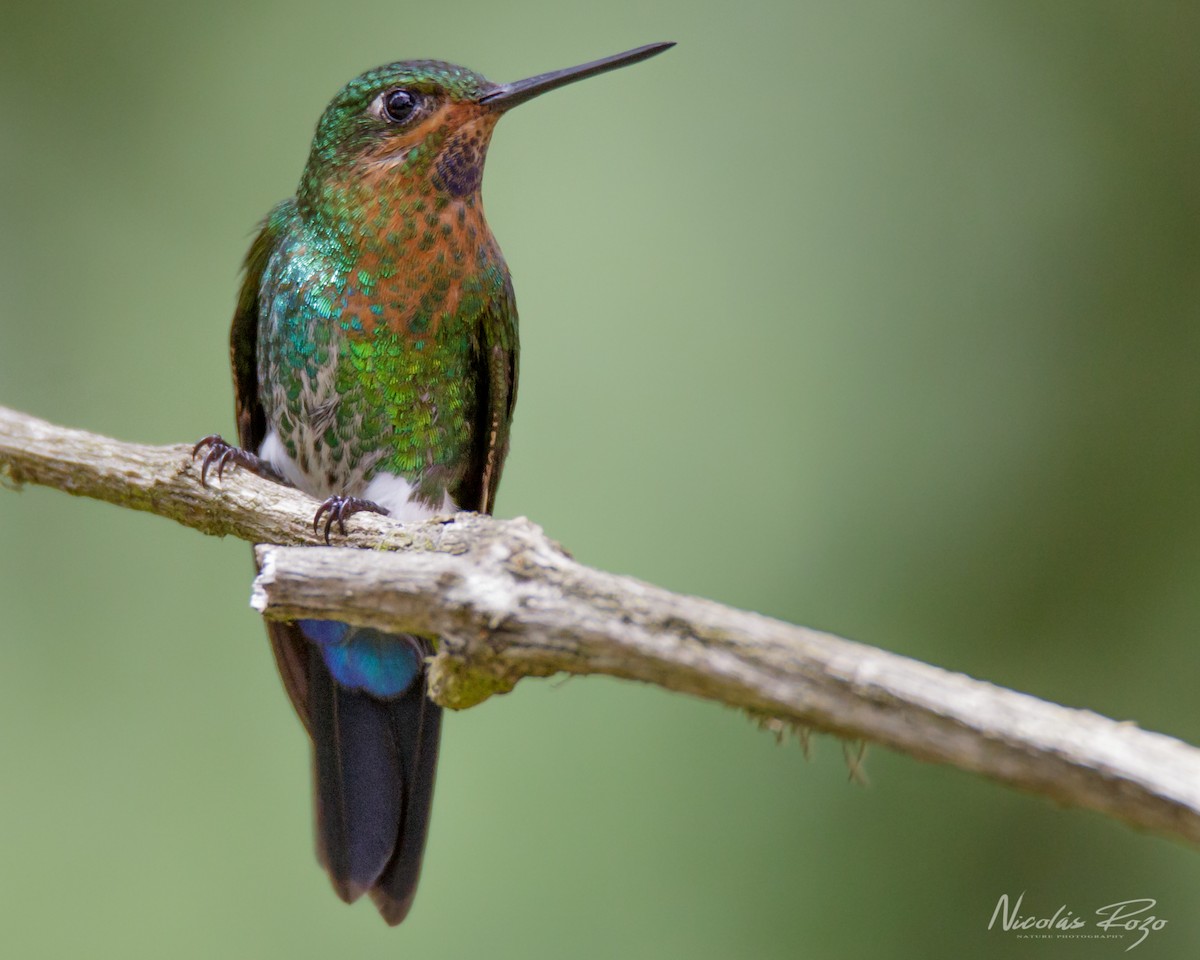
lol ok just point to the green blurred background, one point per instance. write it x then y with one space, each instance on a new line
876 317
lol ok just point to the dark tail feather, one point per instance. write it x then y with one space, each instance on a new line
416 725
374 766
291 657
359 791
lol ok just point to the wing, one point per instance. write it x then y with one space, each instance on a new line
243 334
289 647
495 359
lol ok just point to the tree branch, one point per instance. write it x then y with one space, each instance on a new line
506 603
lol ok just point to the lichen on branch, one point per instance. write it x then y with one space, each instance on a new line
506 602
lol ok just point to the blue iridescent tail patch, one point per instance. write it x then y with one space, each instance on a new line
362 658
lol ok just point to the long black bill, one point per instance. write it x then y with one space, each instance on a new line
510 94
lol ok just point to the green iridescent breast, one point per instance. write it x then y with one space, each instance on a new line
356 380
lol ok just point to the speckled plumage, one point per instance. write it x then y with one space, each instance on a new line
375 356
385 307
374 352
371 366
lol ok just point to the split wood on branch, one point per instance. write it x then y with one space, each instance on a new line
507 602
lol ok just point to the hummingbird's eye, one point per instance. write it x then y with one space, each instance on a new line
399 105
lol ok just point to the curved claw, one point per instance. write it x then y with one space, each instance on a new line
326 506
218 448
208 459
220 452
213 438
339 509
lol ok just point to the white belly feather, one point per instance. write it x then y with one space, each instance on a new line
390 491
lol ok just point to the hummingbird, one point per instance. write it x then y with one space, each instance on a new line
374 354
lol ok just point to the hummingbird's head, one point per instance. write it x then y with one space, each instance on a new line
416 120
422 126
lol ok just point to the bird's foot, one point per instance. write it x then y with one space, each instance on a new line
221 453
340 509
